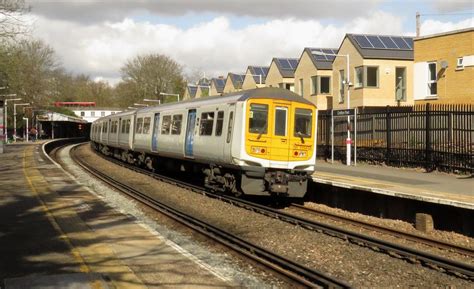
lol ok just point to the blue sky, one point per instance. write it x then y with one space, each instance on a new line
215 37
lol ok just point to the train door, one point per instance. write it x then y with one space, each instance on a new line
280 146
229 130
189 139
156 130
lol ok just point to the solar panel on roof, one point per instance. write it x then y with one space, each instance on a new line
375 41
400 43
388 41
320 57
284 63
293 63
409 41
362 41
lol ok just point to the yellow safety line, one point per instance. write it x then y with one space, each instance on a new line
77 256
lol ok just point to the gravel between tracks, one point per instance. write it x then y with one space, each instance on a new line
359 266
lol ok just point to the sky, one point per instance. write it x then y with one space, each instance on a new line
214 37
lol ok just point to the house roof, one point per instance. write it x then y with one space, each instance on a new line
321 57
237 79
286 66
219 84
382 46
258 70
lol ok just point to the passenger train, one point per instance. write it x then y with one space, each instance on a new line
252 142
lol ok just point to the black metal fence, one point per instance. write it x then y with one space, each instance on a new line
434 136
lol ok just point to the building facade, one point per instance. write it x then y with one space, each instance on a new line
380 71
90 114
233 82
190 92
255 77
217 86
281 73
444 67
313 76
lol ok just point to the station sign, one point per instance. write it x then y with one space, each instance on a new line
344 112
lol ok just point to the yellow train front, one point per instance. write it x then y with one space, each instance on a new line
278 154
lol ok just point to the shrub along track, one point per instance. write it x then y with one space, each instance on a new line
442 264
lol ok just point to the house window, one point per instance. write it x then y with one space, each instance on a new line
301 87
93 113
176 127
459 63
324 84
166 125
102 113
314 86
341 86
83 113
432 85
359 76
372 73
207 121
219 123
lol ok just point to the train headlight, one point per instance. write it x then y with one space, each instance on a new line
258 150
300 154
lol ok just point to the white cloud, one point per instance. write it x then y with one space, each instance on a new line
213 47
433 26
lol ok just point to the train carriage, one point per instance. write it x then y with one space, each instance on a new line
255 142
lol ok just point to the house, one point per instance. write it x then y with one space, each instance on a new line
217 86
281 73
313 76
202 91
233 82
380 71
90 114
255 77
190 92
444 67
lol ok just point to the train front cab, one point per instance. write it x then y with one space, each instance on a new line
280 136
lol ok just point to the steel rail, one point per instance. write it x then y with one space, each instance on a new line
406 235
457 268
288 268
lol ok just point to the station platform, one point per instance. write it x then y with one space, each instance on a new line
434 187
56 234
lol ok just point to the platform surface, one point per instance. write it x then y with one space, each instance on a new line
56 234
435 187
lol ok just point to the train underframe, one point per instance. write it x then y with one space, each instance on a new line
234 180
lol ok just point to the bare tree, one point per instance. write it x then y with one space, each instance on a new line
149 75
11 23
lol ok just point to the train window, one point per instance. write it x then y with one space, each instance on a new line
146 125
123 125
258 118
165 126
280 120
139 127
229 127
207 121
303 119
127 130
106 125
219 123
176 127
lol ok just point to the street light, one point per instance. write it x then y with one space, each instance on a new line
348 84
170 94
14 116
152 100
26 130
6 112
259 76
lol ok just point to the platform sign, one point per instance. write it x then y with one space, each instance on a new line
344 112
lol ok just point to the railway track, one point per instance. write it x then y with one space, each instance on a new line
427 259
390 231
298 273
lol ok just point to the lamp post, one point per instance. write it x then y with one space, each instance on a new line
6 112
14 117
170 94
26 130
348 85
259 77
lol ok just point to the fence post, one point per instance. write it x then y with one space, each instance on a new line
389 135
450 127
428 165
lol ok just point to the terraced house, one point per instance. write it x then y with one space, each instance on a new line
313 76
444 67
380 69
282 73
255 77
217 86
233 82
190 92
